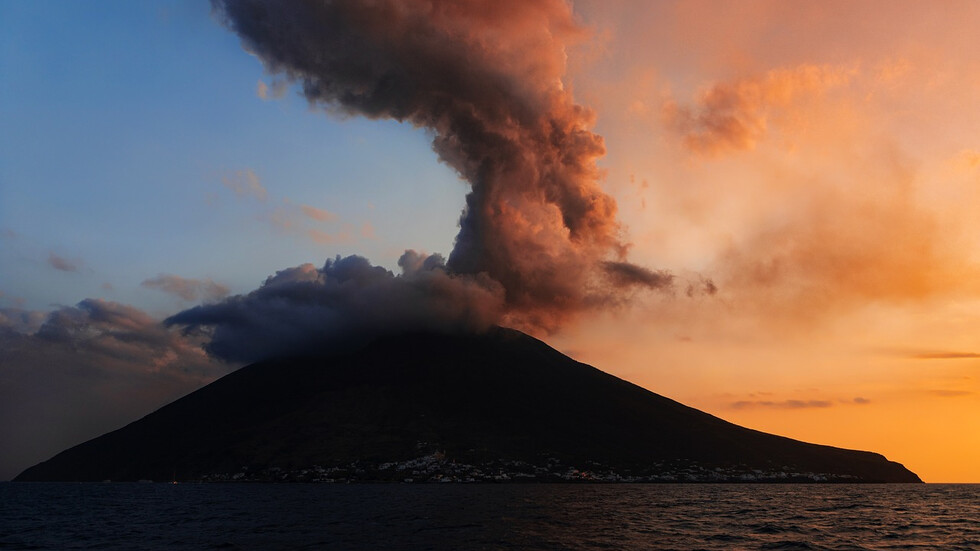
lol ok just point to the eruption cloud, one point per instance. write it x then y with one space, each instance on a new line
538 238
342 305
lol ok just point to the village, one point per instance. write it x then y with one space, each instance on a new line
437 468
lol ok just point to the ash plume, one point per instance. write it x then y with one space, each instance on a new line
538 239
341 305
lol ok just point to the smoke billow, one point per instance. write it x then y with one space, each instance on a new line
342 304
538 238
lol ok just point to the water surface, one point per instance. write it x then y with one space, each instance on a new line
449 516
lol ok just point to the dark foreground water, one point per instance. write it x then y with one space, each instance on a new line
267 516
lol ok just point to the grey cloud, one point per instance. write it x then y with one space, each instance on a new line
63 264
702 287
21 320
624 274
111 361
784 404
345 303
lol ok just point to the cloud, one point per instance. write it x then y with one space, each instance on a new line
343 304
20 320
111 361
732 116
625 274
842 242
245 183
308 221
298 220
286 216
970 158
944 393
266 93
793 403
187 289
785 404
63 264
118 334
367 231
326 238
703 286
944 355
487 84
820 186
319 215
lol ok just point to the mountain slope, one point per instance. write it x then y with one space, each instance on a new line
502 396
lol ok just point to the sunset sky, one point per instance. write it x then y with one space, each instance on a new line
795 244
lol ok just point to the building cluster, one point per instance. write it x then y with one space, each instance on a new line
437 468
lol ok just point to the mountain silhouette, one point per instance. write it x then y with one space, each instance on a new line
490 406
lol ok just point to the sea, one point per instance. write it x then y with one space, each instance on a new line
489 516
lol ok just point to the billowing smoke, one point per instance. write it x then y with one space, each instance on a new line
538 239
307 309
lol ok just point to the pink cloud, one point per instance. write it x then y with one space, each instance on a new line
320 215
245 183
185 288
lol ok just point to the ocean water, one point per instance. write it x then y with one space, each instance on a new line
449 516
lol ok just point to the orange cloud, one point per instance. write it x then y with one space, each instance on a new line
245 183
319 215
734 115
835 250
296 221
290 218
830 193
945 355
971 158
367 231
944 393
326 238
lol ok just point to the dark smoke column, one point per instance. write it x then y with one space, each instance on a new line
485 77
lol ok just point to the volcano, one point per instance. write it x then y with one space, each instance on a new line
423 407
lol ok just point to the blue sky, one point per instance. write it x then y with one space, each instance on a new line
121 121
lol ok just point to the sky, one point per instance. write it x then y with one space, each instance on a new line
762 210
